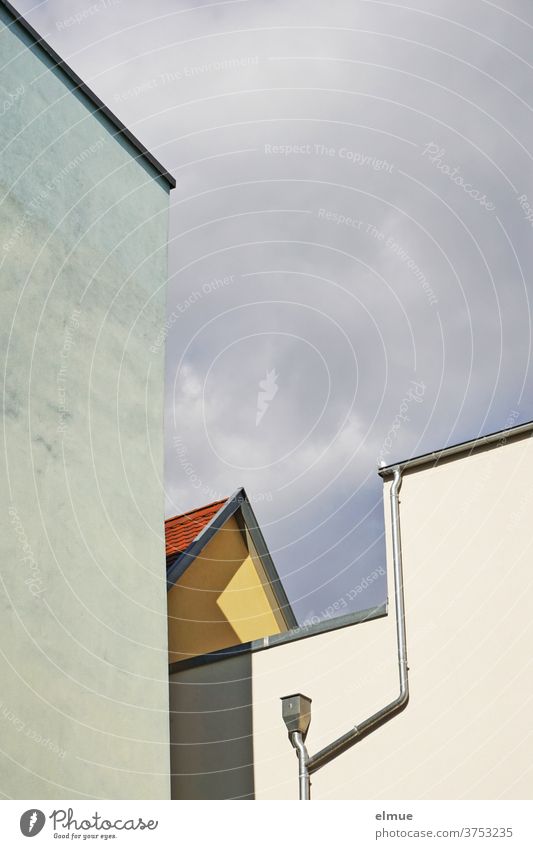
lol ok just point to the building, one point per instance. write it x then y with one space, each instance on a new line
84 648
216 719
224 594
83 630
223 588
465 518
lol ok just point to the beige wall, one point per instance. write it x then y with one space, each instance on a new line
466 733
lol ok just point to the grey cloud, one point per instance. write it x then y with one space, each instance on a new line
350 95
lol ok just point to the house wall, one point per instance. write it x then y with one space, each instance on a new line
220 600
83 636
211 730
466 733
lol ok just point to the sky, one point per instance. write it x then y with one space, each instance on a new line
349 247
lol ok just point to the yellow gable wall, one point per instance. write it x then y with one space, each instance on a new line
220 601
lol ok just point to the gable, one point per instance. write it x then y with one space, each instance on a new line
223 599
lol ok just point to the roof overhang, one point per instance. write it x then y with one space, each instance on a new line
300 633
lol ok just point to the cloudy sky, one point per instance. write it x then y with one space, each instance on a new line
349 245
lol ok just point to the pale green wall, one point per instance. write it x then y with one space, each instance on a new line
83 645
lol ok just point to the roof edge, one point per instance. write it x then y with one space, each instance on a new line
179 564
302 632
499 436
269 566
239 500
84 89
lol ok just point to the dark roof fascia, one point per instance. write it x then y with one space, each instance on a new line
301 633
182 561
239 500
268 564
82 87
499 437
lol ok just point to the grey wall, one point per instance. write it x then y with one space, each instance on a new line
83 647
211 730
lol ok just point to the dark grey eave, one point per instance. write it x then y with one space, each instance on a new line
122 130
238 501
268 564
300 633
471 445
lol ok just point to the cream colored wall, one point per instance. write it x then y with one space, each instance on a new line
220 601
466 733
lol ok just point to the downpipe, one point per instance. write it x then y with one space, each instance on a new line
309 765
304 779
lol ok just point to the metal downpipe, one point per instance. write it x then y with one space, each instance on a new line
341 744
304 778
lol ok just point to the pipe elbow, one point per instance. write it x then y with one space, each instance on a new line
396 481
297 742
403 700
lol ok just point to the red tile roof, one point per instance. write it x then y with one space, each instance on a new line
180 531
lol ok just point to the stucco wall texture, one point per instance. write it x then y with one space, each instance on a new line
466 733
83 634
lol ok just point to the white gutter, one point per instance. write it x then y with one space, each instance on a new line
500 437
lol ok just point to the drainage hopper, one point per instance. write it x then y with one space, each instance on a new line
296 712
